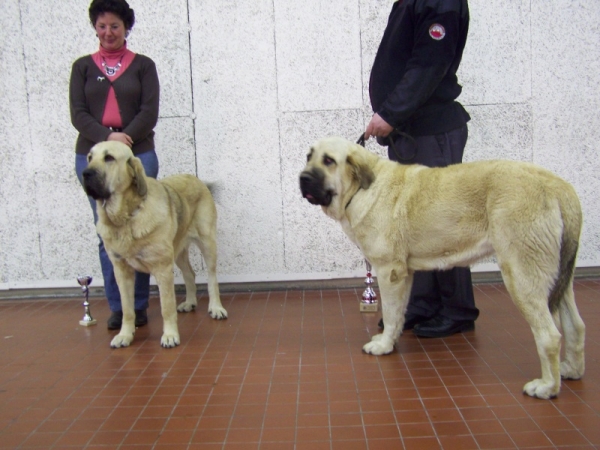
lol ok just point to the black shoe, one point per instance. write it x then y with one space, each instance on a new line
141 317
410 321
115 320
441 326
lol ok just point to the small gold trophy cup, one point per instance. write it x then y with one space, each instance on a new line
84 281
369 298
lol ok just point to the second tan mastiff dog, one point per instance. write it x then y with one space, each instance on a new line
147 225
410 217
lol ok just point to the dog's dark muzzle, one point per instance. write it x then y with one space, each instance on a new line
93 184
312 188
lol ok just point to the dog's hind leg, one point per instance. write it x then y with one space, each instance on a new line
573 366
529 293
547 340
394 285
189 277
125 276
208 247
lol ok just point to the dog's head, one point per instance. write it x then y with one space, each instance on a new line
335 169
112 169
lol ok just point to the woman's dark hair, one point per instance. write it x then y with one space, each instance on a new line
117 7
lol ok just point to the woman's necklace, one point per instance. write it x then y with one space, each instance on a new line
110 71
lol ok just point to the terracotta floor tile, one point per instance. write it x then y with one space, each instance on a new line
412 416
241 445
348 433
304 434
142 437
458 443
349 445
520 425
181 423
312 408
451 428
421 443
495 441
213 435
478 413
312 420
108 438
385 431
74 439
313 445
491 426
280 420
345 419
379 418
281 445
530 439
566 437
243 435
41 440
287 434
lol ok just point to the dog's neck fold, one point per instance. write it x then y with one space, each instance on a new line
119 209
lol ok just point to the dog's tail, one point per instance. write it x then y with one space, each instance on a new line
214 187
570 209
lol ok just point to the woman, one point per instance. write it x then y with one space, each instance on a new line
113 96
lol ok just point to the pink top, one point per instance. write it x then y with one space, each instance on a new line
112 116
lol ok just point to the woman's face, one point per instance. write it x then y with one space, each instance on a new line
111 31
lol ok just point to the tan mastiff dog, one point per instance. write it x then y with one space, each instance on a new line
147 225
410 217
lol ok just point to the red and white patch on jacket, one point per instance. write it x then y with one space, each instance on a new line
437 32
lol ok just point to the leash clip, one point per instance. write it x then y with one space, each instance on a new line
361 140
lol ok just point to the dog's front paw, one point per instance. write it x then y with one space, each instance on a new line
121 340
541 389
186 307
379 345
169 340
217 312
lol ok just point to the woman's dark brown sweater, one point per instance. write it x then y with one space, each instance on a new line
137 91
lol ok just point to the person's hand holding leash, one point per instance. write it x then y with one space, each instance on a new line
378 127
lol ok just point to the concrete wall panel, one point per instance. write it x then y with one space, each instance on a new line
246 86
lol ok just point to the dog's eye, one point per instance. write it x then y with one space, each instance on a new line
108 158
328 161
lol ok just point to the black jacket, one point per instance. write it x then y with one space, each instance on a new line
413 84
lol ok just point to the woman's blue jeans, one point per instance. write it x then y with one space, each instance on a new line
142 280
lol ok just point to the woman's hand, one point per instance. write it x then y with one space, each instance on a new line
120 137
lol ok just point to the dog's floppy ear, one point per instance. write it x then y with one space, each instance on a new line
361 169
139 175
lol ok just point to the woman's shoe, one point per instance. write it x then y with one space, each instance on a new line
141 317
115 320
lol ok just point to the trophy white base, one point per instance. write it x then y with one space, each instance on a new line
88 323
369 307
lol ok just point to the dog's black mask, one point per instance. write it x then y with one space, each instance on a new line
311 185
93 184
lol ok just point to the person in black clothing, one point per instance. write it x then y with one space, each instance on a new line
413 90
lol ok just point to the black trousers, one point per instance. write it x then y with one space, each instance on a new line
448 293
